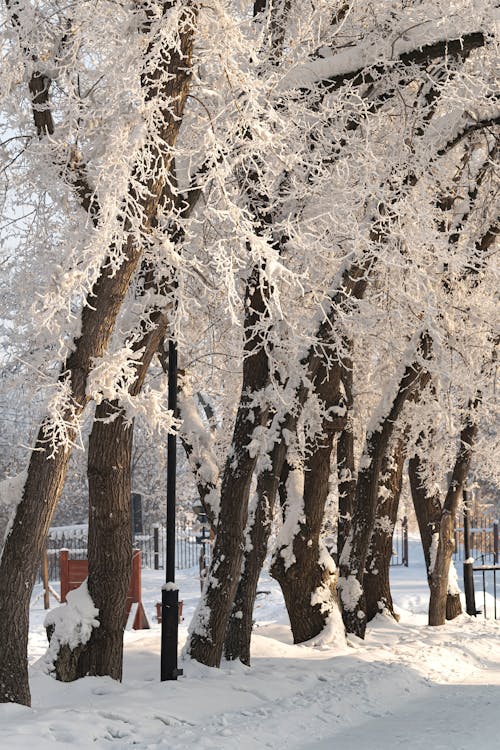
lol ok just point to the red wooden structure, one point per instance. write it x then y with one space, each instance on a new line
74 572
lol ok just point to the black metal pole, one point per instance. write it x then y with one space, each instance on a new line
466 527
170 593
470 595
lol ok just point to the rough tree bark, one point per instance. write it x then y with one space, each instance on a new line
44 483
310 573
428 509
441 569
260 517
376 579
109 548
209 625
46 473
353 557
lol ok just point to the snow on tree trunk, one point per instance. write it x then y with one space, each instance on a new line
440 571
428 510
209 625
345 456
301 565
167 86
376 580
69 628
353 556
239 629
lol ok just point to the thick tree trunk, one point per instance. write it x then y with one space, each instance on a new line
44 483
239 629
428 510
353 556
46 473
310 615
309 583
110 538
376 579
109 548
441 570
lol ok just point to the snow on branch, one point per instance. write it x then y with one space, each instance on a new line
361 65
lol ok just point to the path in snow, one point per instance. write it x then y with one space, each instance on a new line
407 685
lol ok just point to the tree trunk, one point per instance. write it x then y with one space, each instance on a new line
309 582
376 579
46 472
239 629
353 556
44 483
428 510
109 548
440 572
208 629
441 569
110 537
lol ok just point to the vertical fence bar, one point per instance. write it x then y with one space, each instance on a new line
484 593
495 591
495 542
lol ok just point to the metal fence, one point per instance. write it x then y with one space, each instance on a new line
400 543
479 550
485 570
192 544
192 547
483 537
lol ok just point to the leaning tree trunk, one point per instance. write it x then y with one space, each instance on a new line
441 569
260 517
309 582
376 581
427 504
44 483
209 625
46 472
309 616
109 542
353 556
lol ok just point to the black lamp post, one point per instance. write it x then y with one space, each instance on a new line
470 595
170 593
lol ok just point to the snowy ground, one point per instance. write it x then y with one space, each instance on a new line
406 686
